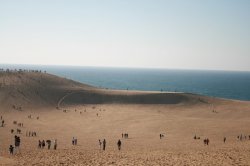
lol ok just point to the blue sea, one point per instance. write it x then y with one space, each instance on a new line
224 84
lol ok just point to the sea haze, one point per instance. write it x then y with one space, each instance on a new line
224 84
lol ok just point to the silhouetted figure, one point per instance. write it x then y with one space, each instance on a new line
39 144
122 135
43 144
119 143
100 144
49 143
73 141
11 149
55 144
205 141
104 144
224 139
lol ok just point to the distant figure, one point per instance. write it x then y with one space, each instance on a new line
122 135
55 144
11 149
73 141
100 144
207 141
43 144
195 137
104 144
225 139
49 143
39 144
119 143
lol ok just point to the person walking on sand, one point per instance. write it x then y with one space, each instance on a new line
119 144
55 144
225 139
39 144
104 145
100 144
11 149
75 141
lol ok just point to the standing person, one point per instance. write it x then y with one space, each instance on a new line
104 144
119 144
39 144
100 144
225 139
49 143
55 144
43 144
11 149
73 141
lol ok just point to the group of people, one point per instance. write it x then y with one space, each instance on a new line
30 134
74 141
124 135
42 144
102 144
241 137
17 144
206 141
161 136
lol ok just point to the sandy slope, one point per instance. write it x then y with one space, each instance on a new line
179 121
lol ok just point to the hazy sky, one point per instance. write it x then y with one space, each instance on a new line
189 34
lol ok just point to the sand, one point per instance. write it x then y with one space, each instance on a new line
179 122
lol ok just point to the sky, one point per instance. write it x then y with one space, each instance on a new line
174 34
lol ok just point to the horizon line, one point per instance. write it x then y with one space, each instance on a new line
126 67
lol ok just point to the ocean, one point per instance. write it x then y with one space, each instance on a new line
224 84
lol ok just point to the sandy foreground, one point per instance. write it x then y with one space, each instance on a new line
143 123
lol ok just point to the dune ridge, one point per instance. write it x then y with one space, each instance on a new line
31 89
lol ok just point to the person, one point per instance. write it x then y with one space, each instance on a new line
39 144
100 144
11 149
73 141
104 144
225 139
49 143
55 144
207 141
160 136
119 143
43 144
122 135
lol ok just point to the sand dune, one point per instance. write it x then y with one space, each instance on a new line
93 114
31 89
